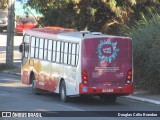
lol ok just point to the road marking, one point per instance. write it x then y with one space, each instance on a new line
71 107
4 93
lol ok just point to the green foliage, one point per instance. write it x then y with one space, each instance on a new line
94 15
146 39
108 16
3 4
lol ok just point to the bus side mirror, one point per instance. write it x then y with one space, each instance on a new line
20 48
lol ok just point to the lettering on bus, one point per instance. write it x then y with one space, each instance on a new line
107 90
107 69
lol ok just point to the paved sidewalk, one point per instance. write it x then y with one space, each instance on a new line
145 97
138 95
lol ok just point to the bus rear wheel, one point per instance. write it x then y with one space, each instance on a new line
63 95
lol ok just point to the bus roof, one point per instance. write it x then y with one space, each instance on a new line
66 33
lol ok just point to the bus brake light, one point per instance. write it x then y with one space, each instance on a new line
84 77
129 77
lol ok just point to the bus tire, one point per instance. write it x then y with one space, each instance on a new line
63 96
34 89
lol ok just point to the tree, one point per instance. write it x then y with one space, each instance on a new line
146 40
109 16
3 4
10 33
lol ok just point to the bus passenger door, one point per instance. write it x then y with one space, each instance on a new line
25 70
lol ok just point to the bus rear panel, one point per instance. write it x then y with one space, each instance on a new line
106 66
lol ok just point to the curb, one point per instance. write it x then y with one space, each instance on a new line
10 72
156 102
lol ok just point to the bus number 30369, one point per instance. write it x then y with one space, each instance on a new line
107 90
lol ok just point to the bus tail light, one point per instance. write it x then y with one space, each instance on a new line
129 77
85 77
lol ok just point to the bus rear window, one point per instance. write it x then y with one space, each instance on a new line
109 49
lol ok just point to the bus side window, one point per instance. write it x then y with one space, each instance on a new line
54 51
66 52
62 53
58 51
26 50
37 48
77 53
69 53
41 45
33 42
45 54
73 54
49 50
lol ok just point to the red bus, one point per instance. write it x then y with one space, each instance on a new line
75 63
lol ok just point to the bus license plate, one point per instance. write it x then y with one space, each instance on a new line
107 90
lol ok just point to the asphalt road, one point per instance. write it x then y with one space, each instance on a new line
15 96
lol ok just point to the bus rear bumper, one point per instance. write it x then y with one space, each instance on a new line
125 90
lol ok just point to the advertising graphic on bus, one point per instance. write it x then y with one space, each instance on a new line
75 63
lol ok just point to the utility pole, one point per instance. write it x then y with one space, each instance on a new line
10 33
